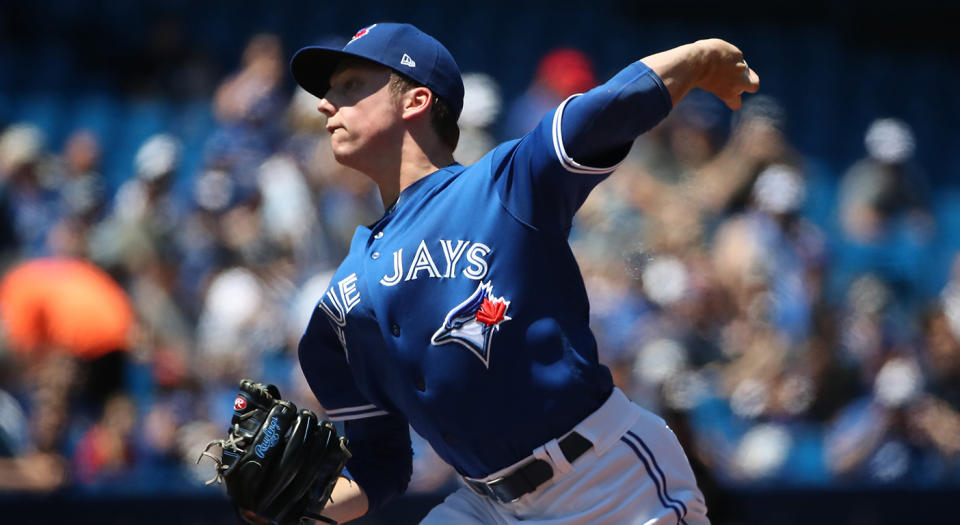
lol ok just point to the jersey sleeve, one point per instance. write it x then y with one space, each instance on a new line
382 457
544 177
327 371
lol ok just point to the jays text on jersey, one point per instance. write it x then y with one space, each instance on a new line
462 310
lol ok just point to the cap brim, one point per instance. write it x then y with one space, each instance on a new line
312 67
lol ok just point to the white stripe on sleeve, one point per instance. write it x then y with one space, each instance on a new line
568 163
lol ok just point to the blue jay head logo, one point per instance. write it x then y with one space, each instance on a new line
473 322
361 33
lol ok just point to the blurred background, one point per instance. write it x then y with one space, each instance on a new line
782 284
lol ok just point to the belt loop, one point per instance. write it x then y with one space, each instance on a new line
563 467
605 426
541 453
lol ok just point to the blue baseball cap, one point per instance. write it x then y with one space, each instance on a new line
400 47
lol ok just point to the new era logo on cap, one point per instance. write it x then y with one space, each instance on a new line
407 61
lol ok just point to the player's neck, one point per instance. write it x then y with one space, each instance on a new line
415 164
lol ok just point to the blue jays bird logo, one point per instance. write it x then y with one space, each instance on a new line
473 322
362 33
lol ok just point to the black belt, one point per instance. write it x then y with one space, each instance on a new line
527 477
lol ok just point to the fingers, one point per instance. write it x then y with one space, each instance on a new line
749 82
729 76
752 80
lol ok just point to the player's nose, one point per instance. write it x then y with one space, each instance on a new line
325 107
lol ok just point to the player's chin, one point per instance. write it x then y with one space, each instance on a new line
341 150
341 153
347 156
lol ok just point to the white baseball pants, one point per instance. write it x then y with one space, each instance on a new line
635 474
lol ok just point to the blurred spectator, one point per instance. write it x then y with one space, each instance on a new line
249 105
22 465
252 94
14 434
885 186
943 340
871 440
561 72
35 472
757 140
481 107
873 326
770 253
81 184
688 138
145 213
83 195
938 415
25 188
158 434
288 214
105 450
242 322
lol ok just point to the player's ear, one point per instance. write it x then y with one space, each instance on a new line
416 101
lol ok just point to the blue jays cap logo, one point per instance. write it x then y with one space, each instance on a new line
362 33
473 322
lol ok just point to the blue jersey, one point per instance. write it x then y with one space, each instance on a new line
462 310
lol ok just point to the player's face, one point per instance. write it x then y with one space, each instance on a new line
362 115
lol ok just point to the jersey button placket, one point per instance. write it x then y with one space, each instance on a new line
377 236
395 330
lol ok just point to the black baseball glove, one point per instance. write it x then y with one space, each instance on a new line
279 465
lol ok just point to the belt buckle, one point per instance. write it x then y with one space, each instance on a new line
481 487
485 488
522 475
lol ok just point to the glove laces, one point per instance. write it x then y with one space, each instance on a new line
234 443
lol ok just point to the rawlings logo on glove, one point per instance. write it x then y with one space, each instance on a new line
278 464
270 439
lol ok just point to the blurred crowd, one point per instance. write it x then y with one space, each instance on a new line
129 316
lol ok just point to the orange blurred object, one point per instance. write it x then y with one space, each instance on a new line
64 303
